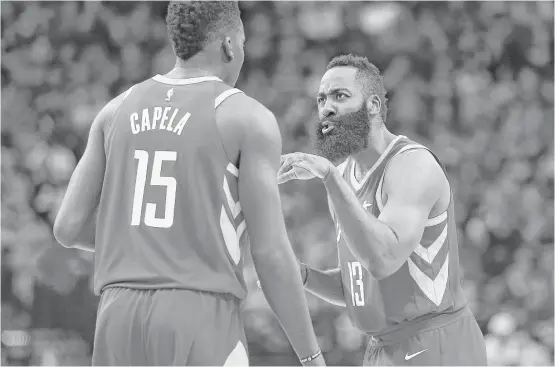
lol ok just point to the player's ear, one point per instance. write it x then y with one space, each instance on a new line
227 49
373 104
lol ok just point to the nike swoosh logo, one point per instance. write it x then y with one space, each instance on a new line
411 356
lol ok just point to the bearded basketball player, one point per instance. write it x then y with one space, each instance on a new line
181 167
393 209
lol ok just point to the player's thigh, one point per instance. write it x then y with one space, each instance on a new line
118 338
221 339
458 344
422 349
419 350
377 356
462 344
173 320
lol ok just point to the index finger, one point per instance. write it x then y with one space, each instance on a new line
285 166
285 157
287 176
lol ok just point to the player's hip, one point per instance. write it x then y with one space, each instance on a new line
144 326
455 340
140 310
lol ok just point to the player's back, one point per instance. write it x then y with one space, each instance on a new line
169 215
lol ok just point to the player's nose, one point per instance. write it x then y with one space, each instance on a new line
328 110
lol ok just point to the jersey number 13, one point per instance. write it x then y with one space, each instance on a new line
155 180
357 285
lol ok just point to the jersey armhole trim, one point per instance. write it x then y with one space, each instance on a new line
110 128
409 148
224 95
218 101
412 147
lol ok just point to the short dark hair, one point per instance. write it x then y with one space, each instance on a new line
367 73
193 24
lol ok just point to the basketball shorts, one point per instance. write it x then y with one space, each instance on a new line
458 342
168 327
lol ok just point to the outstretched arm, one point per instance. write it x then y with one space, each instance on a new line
413 184
272 254
76 219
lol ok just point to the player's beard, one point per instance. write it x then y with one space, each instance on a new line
349 136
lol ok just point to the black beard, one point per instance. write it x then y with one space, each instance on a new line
349 136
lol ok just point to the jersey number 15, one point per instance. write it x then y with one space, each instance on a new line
155 180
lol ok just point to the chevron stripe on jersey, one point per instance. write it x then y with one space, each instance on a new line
429 263
427 283
429 271
232 222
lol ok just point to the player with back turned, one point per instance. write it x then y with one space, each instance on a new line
180 168
393 208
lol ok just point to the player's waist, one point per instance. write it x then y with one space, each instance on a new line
227 286
412 328
164 289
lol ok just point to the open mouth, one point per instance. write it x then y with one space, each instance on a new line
327 127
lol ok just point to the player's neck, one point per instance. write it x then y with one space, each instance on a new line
378 142
193 68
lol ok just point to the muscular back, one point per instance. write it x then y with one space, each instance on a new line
169 214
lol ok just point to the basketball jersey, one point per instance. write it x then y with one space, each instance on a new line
427 283
169 213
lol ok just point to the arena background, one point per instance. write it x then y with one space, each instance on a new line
473 81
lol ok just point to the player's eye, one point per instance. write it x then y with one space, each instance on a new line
320 99
340 96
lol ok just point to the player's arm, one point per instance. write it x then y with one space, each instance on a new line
413 184
325 284
271 250
76 219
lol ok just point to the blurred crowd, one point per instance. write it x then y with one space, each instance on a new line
471 80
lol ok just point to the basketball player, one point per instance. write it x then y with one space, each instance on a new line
181 167
392 205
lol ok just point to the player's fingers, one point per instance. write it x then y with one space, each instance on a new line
301 164
287 176
284 168
287 158
303 170
285 164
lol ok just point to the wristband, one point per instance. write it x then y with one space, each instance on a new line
312 357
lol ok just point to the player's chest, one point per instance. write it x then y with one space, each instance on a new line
367 200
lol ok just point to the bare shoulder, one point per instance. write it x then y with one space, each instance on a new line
244 110
249 119
416 172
